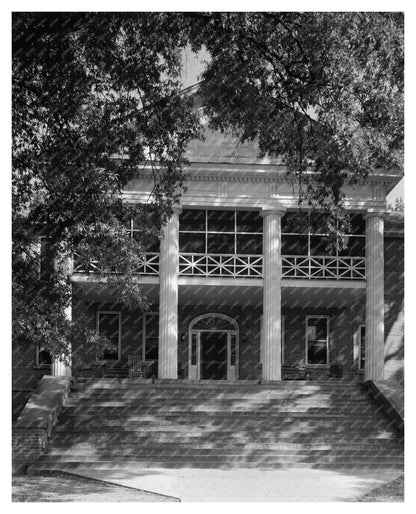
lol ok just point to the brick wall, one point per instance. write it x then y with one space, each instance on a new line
25 375
131 329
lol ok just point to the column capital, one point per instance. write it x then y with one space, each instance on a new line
374 212
177 209
280 211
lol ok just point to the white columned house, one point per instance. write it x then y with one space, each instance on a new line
374 252
235 262
272 277
168 298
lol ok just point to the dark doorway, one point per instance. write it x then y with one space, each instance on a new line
214 355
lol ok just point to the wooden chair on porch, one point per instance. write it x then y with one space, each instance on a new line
137 368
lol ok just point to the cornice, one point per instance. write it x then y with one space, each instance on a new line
258 173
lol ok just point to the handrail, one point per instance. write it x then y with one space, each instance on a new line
251 266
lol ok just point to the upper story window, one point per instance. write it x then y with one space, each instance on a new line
135 230
220 231
297 241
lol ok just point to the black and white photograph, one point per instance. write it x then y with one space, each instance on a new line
207 255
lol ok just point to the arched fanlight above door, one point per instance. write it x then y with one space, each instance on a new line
219 322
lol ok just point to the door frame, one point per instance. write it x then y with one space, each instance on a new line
194 346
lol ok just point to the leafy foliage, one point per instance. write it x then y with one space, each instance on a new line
96 101
324 91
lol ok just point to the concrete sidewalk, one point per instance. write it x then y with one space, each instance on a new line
252 485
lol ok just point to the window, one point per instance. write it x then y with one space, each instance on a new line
151 336
43 357
135 228
361 351
220 231
317 340
109 324
299 239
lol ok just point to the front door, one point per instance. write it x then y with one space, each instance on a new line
213 355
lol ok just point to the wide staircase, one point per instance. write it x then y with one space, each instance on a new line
121 423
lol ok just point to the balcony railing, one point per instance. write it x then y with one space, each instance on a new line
251 266
220 265
325 267
149 265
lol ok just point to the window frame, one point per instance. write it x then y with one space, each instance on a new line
310 234
119 333
235 233
328 339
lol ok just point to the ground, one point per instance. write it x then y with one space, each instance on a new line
392 492
75 489
68 488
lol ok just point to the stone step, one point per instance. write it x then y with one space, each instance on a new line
116 422
114 467
231 392
184 422
297 436
186 445
204 413
211 388
225 458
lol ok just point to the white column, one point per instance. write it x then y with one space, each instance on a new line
272 273
60 365
168 298
374 331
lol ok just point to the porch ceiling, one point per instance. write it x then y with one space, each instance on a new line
295 293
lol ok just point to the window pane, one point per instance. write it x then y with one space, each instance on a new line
317 328
153 245
357 224
294 245
193 349
318 245
192 220
191 243
355 247
294 222
221 221
317 353
151 337
250 244
249 221
233 352
152 349
317 341
221 243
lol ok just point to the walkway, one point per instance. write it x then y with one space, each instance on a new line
253 485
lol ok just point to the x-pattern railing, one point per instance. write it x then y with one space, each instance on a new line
149 265
220 265
251 266
336 268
